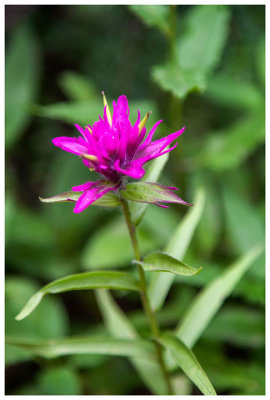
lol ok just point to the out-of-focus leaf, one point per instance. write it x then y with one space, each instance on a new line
227 149
153 15
86 345
187 361
51 321
238 325
163 262
119 326
79 112
173 78
209 301
210 226
198 51
59 381
226 90
244 226
201 45
152 174
108 200
77 87
83 281
114 238
260 60
176 247
21 81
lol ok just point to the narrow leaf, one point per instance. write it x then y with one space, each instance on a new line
187 361
22 76
137 210
153 15
149 192
164 262
177 246
84 281
119 326
209 301
86 345
201 45
108 200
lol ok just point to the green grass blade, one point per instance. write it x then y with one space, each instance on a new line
84 281
86 345
208 302
187 361
177 246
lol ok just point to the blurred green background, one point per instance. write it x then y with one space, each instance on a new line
198 66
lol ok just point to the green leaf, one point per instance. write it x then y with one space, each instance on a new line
21 81
198 51
152 174
187 361
176 247
260 60
149 192
211 298
108 200
227 149
86 345
79 112
201 45
114 238
77 87
239 325
50 322
83 281
244 226
119 326
153 15
59 381
172 78
164 262
234 93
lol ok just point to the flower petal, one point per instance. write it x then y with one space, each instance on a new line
120 110
72 145
91 195
134 171
155 148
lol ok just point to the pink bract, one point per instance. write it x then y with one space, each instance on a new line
115 149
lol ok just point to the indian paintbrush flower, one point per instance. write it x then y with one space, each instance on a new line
117 150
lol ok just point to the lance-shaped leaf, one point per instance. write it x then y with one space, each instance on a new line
165 263
148 192
187 361
209 301
119 326
109 199
84 281
161 282
86 345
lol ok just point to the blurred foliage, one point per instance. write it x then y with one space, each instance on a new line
198 66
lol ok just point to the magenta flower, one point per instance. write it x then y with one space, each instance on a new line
115 149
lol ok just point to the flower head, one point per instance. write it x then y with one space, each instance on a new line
115 149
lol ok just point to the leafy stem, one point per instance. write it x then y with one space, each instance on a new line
144 294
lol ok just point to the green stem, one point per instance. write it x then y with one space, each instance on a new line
144 294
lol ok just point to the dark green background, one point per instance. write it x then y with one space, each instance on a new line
58 59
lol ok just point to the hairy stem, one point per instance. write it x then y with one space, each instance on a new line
144 294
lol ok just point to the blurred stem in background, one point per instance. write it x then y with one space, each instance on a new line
144 294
